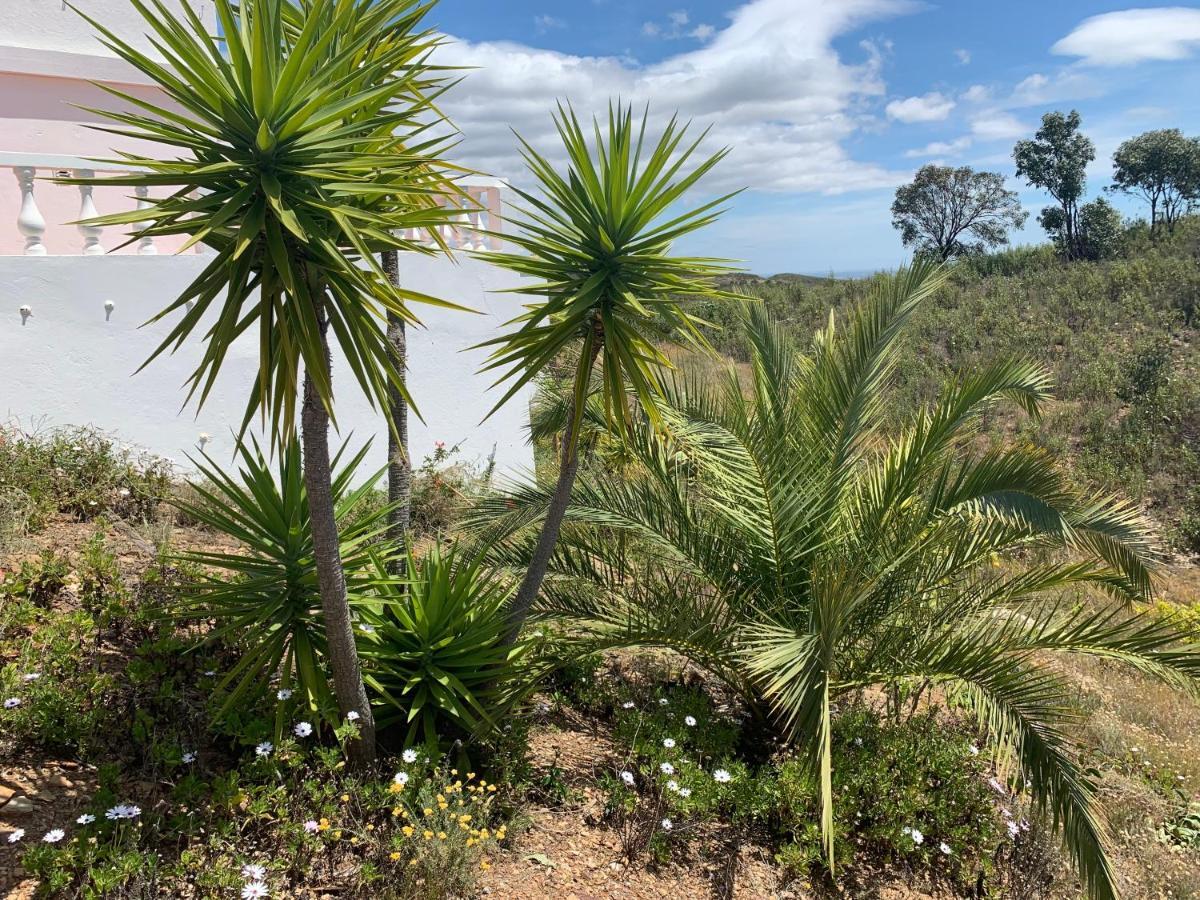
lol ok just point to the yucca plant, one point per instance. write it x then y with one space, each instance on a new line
436 651
597 248
302 149
264 598
803 540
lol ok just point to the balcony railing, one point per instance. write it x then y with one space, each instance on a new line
44 212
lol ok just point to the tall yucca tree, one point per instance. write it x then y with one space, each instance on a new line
803 540
301 149
597 246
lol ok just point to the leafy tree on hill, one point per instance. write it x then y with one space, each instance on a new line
1056 160
1163 168
948 212
1098 234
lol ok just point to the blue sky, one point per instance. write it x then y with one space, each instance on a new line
828 104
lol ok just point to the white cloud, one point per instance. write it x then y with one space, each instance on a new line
963 56
702 32
770 83
932 107
940 148
995 125
547 23
1040 90
650 29
679 18
1134 35
976 93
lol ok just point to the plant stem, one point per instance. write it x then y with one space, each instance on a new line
561 498
399 461
339 630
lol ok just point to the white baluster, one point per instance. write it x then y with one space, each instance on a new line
87 210
146 244
29 221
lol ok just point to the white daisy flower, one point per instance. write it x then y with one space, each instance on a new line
352 716
312 826
284 694
974 749
689 721
667 769
409 756
669 743
366 629
254 872
627 777
255 890
14 836
673 786
722 776
667 824
945 848
264 749
1013 829
12 702
210 672
189 756
123 811
628 704
302 729
53 836
663 701
31 676
997 786
916 836
401 778
85 819
685 792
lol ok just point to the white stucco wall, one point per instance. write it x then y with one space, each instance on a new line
52 24
68 365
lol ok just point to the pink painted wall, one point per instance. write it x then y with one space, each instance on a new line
37 116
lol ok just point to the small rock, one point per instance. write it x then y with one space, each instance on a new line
18 806
6 794
60 780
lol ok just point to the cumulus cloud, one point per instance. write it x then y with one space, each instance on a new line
770 83
976 93
940 148
931 107
1134 35
996 125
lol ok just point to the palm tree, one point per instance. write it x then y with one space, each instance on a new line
597 246
787 538
303 150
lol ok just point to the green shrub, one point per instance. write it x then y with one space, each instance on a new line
39 580
79 472
263 600
442 490
434 653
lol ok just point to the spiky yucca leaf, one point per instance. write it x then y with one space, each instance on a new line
302 148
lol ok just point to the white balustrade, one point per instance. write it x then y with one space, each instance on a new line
87 210
29 220
145 243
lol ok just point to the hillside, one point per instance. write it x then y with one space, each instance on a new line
1120 336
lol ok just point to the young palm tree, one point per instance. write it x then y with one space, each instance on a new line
302 150
597 245
785 537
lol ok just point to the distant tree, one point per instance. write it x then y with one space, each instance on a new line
1163 168
948 212
1056 160
1098 230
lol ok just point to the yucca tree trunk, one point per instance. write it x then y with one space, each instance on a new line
339 629
568 468
399 462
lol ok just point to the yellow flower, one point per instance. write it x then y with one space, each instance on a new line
345 798
443 806
464 818
394 856
484 864
470 775
336 835
491 787
412 862
454 771
323 825
441 799
470 842
370 828
441 835
353 840
396 788
408 830
427 834
482 782
428 811
483 834
397 811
